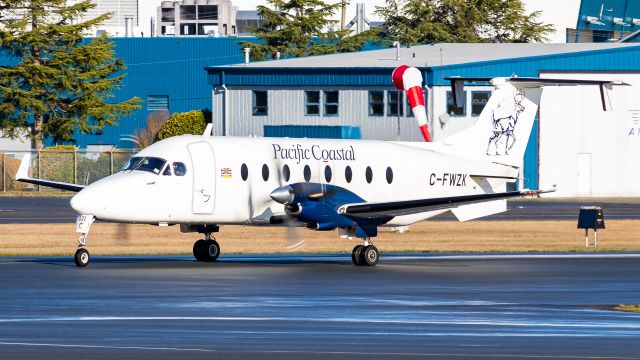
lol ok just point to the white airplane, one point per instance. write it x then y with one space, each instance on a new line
202 182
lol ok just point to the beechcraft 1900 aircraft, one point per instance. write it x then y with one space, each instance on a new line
202 182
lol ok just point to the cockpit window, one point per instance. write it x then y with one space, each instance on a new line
149 164
167 171
179 169
131 164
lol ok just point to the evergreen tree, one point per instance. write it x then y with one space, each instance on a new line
429 21
55 81
302 28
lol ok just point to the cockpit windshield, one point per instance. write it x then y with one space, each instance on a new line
149 164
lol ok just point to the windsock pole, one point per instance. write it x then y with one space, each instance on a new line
409 79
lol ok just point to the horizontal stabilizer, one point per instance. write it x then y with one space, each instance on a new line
457 84
474 211
23 176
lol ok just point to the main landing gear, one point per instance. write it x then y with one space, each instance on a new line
206 249
365 255
83 224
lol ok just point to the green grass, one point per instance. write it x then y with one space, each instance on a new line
626 308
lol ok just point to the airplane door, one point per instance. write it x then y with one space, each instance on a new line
204 177
583 185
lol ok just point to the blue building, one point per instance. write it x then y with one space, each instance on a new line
167 73
606 20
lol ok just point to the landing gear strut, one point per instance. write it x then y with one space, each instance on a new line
365 255
206 249
83 224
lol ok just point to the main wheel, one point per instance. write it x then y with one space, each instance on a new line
81 258
211 250
371 255
198 250
356 255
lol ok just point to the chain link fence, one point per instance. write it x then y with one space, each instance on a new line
78 167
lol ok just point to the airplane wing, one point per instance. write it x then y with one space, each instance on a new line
399 208
23 175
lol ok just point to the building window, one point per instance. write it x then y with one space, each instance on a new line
158 103
312 103
454 110
260 103
376 103
331 101
187 12
394 103
224 29
168 15
479 100
188 29
208 12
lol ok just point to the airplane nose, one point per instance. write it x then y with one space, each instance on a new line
81 203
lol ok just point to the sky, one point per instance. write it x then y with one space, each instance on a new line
561 13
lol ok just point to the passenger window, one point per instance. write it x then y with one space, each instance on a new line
167 170
286 173
179 169
327 173
265 172
369 174
389 175
307 173
244 172
348 174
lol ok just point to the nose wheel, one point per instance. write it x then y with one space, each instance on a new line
83 224
206 249
82 257
365 255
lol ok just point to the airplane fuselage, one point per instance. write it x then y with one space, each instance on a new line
228 180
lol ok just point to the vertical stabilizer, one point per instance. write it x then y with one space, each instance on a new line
502 131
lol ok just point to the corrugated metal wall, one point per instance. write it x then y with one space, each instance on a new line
286 107
165 66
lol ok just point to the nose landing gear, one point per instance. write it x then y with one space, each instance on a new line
365 255
83 224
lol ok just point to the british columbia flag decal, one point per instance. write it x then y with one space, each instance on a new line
225 173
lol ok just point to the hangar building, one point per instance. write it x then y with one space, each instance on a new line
575 145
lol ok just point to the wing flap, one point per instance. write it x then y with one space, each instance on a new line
408 207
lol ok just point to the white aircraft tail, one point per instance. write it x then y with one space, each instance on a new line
502 131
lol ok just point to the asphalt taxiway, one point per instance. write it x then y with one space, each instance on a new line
38 210
321 307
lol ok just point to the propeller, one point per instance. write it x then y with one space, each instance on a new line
285 195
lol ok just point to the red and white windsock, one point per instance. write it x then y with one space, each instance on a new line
409 79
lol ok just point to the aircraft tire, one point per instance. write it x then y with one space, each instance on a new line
81 257
198 250
211 250
356 255
371 255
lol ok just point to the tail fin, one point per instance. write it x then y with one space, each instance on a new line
502 131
